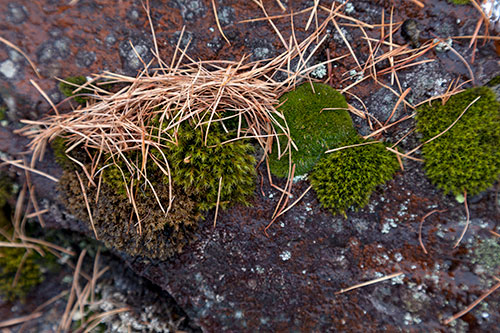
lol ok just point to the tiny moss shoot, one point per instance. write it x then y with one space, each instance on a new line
466 157
346 178
313 129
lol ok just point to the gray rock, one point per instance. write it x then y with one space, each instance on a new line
54 49
130 62
85 58
190 9
16 13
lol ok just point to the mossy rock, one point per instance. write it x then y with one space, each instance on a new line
346 178
198 166
466 157
116 223
313 129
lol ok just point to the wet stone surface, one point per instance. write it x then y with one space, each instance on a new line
234 277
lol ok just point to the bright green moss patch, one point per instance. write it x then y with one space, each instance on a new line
313 129
198 167
467 157
346 178
459 2
67 89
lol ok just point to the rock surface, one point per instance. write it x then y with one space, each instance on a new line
235 278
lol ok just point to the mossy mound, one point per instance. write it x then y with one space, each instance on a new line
347 178
116 223
313 129
466 157
198 166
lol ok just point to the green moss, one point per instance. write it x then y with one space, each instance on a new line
346 178
68 89
197 167
313 129
116 223
494 81
30 274
3 112
467 157
459 2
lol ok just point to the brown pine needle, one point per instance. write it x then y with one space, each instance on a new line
218 23
364 284
20 320
472 305
17 163
494 233
421 224
6 42
350 146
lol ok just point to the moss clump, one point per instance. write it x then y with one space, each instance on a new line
30 274
11 257
466 157
116 223
68 89
459 2
313 129
346 178
197 167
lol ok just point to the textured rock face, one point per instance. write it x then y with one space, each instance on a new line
234 278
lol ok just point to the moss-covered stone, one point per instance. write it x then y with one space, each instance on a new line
198 167
346 178
466 157
313 129
116 222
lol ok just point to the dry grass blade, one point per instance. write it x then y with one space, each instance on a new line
19 164
218 23
364 284
20 320
84 192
